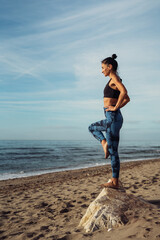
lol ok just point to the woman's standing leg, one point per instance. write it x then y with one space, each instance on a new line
112 137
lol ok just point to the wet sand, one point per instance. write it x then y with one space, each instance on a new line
50 206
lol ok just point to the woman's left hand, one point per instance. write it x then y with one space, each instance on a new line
111 108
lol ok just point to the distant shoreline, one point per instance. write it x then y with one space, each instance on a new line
43 172
78 171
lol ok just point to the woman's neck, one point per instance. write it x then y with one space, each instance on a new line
112 74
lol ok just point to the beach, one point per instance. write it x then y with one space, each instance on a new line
50 206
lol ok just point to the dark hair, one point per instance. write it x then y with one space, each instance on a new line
112 61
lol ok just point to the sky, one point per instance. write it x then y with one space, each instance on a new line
51 84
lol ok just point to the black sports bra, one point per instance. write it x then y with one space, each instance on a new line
110 92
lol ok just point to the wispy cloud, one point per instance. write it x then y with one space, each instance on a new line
33 52
43 44
51 105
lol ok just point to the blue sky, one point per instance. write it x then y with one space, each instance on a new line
51 85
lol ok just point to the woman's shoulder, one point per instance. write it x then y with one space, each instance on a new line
116 78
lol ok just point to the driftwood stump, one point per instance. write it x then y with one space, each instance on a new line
108 210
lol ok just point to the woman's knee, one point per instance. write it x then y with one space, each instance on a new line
90 128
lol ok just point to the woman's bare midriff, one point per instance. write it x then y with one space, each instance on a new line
109 102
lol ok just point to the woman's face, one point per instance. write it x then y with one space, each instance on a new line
106 69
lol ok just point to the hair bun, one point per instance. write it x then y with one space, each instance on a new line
114 56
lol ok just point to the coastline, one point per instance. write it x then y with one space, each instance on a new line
10 176
50 206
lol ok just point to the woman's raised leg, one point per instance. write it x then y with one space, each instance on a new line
96 129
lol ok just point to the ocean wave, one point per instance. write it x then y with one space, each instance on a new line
25 158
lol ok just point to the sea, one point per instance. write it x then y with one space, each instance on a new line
29 158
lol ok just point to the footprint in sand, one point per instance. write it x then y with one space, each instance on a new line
30 235
69 204
40 236
135 187
133 192
64 210
154 179
84 205
50 210
85 198
59 199
158 223
31 222
148 229
132 236
41 205
93 194
140 185
148 219
44 228
136 182
5 212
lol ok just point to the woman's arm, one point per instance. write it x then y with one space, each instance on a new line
122 96
125 101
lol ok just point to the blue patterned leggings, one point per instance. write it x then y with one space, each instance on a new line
111 125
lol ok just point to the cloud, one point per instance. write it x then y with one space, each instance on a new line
42 47
51 58
55 105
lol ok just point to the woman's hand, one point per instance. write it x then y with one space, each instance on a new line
111 108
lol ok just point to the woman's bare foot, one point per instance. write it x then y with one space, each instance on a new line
112 183
105 148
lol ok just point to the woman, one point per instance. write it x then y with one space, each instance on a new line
115 97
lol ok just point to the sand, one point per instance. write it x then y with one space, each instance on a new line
50 206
